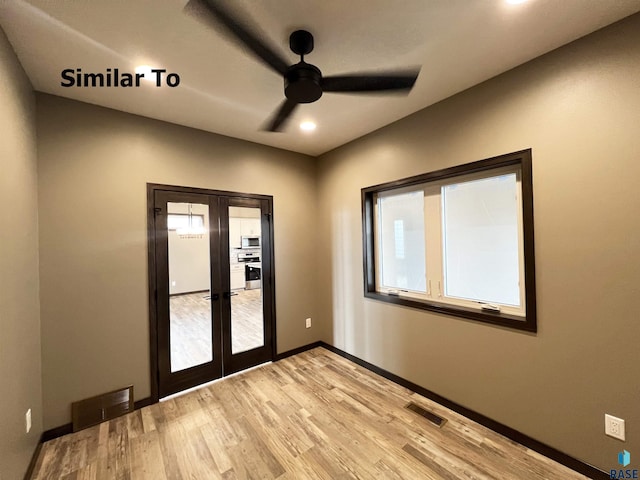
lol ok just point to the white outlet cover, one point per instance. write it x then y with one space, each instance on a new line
614 427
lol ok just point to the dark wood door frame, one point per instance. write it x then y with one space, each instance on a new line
240 361
170 382
265 202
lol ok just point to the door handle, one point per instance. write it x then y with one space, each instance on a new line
215 296
226 295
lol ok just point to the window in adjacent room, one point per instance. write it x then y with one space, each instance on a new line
178 221
457 241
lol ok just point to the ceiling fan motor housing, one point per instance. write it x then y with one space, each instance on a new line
303 83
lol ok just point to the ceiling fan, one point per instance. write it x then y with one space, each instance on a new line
303 82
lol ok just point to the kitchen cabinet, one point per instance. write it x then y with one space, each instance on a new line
237 277
242 226
249 226
235 232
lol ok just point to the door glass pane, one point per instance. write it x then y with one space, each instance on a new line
480 236
189 285
402 243
245 240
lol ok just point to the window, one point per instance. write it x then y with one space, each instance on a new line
179 221
401 222
457 241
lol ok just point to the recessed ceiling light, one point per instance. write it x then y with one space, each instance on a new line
308 126
515 2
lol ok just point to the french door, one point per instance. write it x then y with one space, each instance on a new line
211 285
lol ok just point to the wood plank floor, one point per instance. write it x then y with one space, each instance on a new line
190 326
311 416
247 326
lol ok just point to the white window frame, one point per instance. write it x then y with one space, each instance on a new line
522 316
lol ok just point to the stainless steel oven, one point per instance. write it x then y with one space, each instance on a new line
252 269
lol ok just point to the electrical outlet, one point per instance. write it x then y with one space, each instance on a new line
308 323
614 427
27 420
173 284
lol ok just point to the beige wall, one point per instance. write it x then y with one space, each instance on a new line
94 164
20 375
578 108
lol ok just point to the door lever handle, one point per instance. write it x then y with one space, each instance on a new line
215 296
226 295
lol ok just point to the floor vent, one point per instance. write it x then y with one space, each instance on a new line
94 410
432 417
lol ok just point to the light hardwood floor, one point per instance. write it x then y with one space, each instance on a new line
191 326
311 416
247 326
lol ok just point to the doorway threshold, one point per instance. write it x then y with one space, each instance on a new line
217 380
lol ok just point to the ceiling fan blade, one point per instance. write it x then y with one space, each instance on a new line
211 10
392 81
277 121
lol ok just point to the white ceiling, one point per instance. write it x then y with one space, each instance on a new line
223 89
